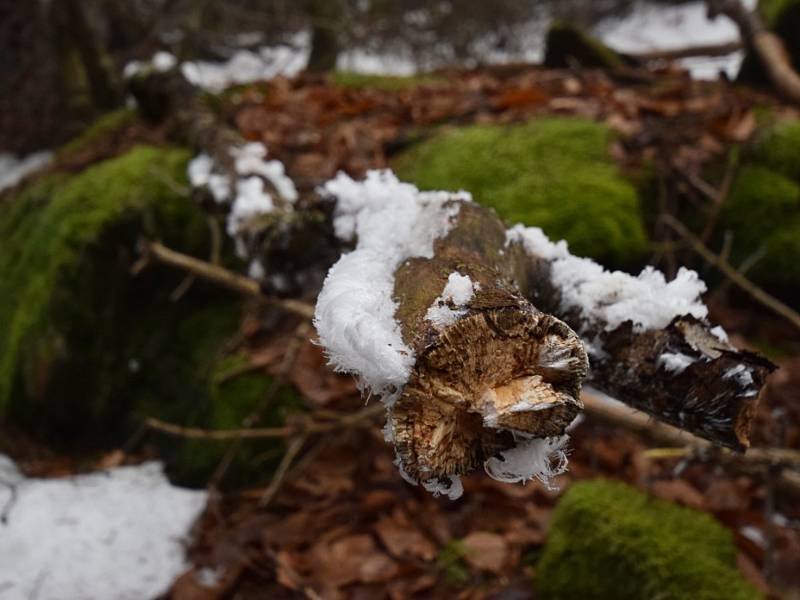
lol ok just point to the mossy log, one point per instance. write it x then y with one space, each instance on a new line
503 365
512 362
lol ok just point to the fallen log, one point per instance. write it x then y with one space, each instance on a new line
467 332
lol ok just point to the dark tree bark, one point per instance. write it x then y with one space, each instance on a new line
104 87
324 16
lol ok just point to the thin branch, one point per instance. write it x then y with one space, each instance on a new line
219 275
292 450
684 444
723 49
731 273
360 418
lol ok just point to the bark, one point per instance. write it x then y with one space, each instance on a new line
502 366
104 88
706 398
766 45
324 16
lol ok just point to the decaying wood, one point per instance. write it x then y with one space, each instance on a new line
767 46
705 398
502 366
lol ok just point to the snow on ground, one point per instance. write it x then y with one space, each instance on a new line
116 534
392 221
13 169
610 298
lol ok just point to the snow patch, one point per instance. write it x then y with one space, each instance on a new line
247 66
719 333
13 169
450 305
609 298
251 198
675 362
392 221
117 534
532 458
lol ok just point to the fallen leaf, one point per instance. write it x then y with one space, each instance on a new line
486 551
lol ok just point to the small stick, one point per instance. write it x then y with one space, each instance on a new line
356 419
221 276
292 450
731 273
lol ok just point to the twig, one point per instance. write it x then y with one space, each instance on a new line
360 418
723 49
721 196
219 275
735 276
687 445
292 450
253 417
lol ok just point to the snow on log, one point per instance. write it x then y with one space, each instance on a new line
648 340
467 332
424 313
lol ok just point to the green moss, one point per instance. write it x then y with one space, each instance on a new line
555 173
87 352
227 401
105 126
608 540
763 211
567 44
779 148
451 562
387 83
69 307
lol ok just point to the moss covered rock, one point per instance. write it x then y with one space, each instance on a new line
555 173
608 540
763 209
87 351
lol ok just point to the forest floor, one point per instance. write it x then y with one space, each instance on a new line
340 522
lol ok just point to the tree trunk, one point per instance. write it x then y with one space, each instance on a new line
103 85
324 16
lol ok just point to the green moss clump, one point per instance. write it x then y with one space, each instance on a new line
566 45
74 322
779 149
554 173
102 128
608 540
389 83
763 209
87 352
229 397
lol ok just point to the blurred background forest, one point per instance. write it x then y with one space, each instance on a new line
169 425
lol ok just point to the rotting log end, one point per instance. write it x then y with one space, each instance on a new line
492 373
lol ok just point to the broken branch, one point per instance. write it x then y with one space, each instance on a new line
221 276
